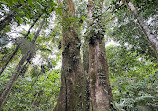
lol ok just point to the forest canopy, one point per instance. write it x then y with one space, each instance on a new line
78 55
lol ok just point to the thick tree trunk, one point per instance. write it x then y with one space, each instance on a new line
71 96
86 69
101 94
100 90
150 35
86 56
18 69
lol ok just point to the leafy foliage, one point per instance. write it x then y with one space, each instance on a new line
134 80
126 30
24 91
133 66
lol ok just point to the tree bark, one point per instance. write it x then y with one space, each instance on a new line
101 93
153 39
11 81
100 89
17 71
71 96
86 69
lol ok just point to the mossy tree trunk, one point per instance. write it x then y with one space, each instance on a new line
86 69
71 96
100 90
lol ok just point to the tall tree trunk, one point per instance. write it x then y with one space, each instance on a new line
72 77
100 90
18 69
11 81
86 69
86 56
17 48
153 39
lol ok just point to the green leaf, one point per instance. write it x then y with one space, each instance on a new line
30 3
45 50
59 10
10 2
22 2
27 15
19 19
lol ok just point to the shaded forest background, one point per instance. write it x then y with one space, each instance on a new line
31 51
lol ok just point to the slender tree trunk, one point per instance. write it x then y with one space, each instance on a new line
153 39
18 69
100 90
11 81
71 96
17 48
